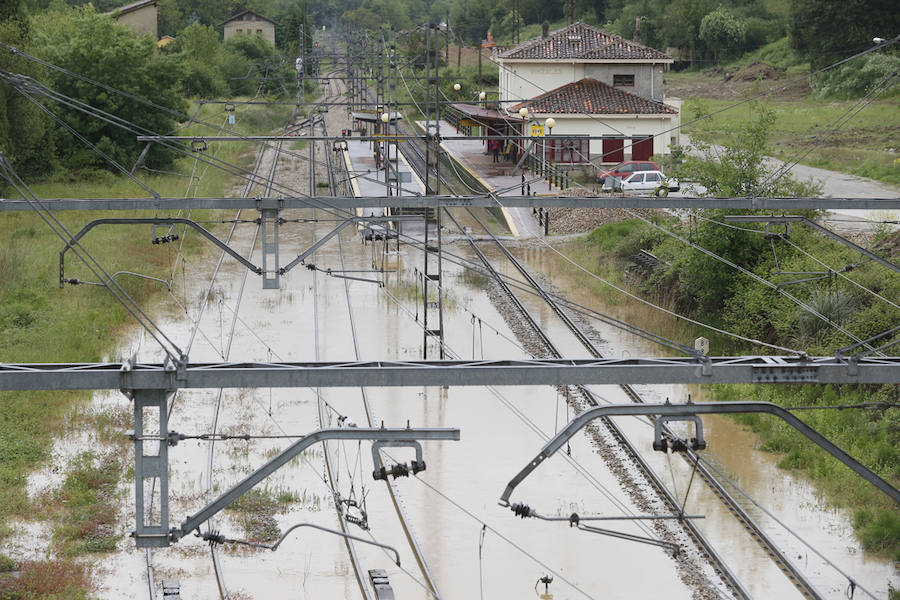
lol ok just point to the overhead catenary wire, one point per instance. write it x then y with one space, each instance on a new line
806 76
611 497
734 484
871 95
635 297
786 240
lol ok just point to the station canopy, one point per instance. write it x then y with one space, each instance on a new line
375 117
486 116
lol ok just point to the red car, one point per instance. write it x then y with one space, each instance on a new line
627 168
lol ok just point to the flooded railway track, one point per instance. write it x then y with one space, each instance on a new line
415 157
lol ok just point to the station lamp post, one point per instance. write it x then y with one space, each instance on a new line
548 123
386 118
523 112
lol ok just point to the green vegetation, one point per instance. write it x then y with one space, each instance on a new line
94 46
737 168
86 506
828 30
861 146
41 322
872 437
687 282
255 512
47 580
7 564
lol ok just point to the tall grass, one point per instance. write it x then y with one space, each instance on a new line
865 145
41 322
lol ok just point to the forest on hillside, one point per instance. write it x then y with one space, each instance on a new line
702 29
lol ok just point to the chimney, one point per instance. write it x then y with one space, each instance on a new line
637 29
545 29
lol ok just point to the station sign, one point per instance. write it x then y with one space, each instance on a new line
537 130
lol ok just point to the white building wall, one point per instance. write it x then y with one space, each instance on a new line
520 81
610 125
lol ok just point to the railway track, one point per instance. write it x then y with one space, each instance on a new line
266 182
415 548
415 157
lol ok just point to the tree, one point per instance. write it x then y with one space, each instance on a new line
738 167
202 56
829 30
681 24
94 46
25 136
723 31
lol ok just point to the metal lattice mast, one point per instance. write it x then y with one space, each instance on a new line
433 324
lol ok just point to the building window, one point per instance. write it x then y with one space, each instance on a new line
239 31
259 32
623 80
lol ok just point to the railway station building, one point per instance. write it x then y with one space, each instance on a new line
593 84
249 23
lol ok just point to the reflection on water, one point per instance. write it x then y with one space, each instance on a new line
448 505
474 548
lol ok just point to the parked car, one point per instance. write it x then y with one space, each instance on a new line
648 182
626 168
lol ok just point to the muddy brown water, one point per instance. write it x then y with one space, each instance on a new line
450 501
733 449
448 504
462 476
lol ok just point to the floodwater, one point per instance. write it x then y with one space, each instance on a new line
473 547
447 505
819 528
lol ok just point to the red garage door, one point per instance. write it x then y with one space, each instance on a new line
642 148
613 151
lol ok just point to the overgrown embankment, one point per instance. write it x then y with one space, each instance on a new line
856 294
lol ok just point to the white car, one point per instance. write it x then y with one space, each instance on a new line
649 183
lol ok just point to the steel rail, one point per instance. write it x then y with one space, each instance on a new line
796 577
215 554
413 542
218 571
691 409
330 468
793 573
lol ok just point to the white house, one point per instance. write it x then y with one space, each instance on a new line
593 83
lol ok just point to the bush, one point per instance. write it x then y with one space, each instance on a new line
857 78
95 46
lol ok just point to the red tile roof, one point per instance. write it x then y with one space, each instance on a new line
592 97
582 42
484 114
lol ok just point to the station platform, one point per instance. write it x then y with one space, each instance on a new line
497 177
366 179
